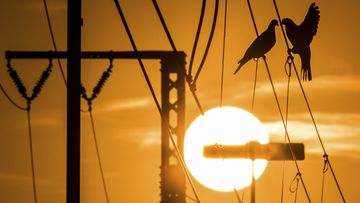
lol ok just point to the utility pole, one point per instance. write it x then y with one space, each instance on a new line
173 106
173 185
73 102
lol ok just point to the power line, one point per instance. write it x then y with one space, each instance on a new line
53 40
209 41
179 155
164 25
223 56
98 157
326 156
278 106
197 36
192 86
11 100
31 154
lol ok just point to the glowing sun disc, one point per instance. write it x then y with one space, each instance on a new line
223 126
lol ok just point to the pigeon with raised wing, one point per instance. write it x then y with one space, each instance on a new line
260 46
301 36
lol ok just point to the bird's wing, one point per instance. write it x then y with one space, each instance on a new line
310 24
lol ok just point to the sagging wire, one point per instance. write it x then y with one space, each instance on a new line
35 93
95 92
307 103
178 153
287 69
279 109
202 13
189 80
208 43
53 40
10 99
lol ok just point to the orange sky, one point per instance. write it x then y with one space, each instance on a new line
128 134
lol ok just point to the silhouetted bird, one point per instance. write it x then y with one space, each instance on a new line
260 46
301 37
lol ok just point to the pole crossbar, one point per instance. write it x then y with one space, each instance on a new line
94 54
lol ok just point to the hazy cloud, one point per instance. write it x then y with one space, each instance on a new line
142 136
53 6
339 132
21 180
126 104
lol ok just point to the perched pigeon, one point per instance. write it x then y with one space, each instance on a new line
301 37
260 46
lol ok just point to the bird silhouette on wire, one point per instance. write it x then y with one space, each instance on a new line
301 36
260 46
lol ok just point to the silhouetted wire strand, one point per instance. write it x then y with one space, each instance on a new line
98 157
279 109
191 198
188 79
202 13
325 169
11 100
164 25
286 132
286 123
53 41
255 82
295 191
308 105
220 153
209 41
178 153
31 154
253 18
238 196
223 57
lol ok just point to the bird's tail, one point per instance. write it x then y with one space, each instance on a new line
241 63
305 56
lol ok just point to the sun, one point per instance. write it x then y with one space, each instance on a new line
223 126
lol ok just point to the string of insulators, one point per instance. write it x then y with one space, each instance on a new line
20 85
98 87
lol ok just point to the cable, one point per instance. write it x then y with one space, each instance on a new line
192 86
197 36
164 25
179 156
223 56
288 73
238 196
307 103
98 156
279 109
31 154
253 18
209 41
53 41
11 100
296 186
255 81
286 132
325 169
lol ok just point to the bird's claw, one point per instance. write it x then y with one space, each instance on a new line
289 51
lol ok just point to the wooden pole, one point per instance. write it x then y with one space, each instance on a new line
73 102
